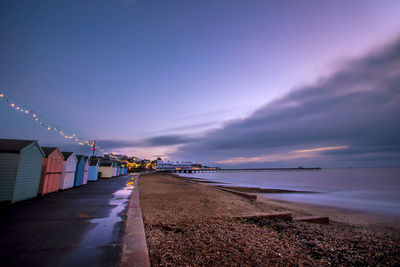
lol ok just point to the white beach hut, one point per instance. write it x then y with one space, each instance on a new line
106 168
114 169
68 170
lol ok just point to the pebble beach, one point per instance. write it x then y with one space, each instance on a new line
192 224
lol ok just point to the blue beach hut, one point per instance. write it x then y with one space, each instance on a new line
81 173
20 169
93 169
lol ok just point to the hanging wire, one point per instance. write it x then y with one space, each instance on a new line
16 105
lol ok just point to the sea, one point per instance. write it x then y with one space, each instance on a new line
364 189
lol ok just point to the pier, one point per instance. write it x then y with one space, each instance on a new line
209 170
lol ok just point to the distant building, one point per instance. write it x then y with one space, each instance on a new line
176 166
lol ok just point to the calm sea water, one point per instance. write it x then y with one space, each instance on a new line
374 189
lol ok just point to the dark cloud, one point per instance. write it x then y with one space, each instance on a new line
167 140
358 106
211 113
115 144
196 126
163 140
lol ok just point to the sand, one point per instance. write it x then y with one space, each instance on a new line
188 223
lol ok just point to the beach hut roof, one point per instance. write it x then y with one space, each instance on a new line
93 161
106 163
67 154
48 150
16 145
11 145
79 157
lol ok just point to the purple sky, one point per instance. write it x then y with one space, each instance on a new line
199 80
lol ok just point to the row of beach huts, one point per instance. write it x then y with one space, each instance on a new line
28 170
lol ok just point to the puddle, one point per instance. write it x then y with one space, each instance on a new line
103 233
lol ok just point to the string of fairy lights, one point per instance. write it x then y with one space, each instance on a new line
15 105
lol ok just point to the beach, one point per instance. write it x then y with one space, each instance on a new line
188 223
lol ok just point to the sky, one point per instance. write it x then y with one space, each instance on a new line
227 83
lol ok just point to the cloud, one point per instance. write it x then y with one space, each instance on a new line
297 154
167 140
194 126
115 144
162 140
212 113
358 106
318 149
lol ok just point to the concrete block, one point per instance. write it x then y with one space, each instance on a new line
248 196
314 219
275 216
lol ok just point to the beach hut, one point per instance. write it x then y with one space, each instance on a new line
114 169
68 170
106 168
81 172
20 169
93 169
51 170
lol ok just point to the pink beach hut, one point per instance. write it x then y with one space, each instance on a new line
51 170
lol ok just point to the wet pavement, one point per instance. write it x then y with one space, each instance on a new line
82 226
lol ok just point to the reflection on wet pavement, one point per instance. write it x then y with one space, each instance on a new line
103 235
81 226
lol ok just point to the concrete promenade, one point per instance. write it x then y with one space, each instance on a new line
134 251
82 226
